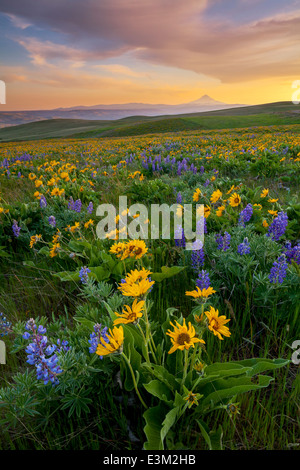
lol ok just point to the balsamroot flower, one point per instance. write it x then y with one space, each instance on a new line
183 337
136 284
235 200
200 293
216 195
216 323
114 344
130 314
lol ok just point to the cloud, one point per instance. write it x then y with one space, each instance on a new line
41 52
118 69
172 33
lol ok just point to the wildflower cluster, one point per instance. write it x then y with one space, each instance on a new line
41 354
278 226
278 270
223 242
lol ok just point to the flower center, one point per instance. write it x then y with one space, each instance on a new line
183 338
214 324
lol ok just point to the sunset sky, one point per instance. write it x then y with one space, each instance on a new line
60 53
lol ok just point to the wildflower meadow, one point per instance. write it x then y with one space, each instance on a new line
122 343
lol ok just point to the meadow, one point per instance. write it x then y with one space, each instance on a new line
117 344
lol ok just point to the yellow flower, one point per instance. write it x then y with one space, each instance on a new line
217 324
274 213
34 239
265 223
38 183
88 223
234 200
118 249
220 211
199 366
216 195
31 176
206 211
136 284
192 398
231 189
272 200
198 293
183 337
115 338
55 192
264 193
259 206
134 249
56 237
130 314
75 227
54 250
196 195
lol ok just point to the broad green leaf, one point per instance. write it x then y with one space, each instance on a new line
166 272
159 390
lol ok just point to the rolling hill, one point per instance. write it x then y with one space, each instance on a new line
279 113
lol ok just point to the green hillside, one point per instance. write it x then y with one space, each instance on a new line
282 113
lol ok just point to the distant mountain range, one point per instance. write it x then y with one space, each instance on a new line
113 111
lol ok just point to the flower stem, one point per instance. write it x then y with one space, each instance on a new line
134 380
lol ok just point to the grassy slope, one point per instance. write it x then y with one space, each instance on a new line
260 115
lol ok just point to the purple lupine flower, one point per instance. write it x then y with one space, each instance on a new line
207 182
292 253
278 270
245 215
98 334
278 226
52 221
41 354
179 237
43 202
5 325
244 248
83 274
197 259
179 198
90 208
71 203
62 346
223 242
16 229
203 280
77 206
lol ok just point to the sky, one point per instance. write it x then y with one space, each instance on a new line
63 53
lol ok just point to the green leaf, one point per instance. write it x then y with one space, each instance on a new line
167 272
158 423
227 388
159 390
154 417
